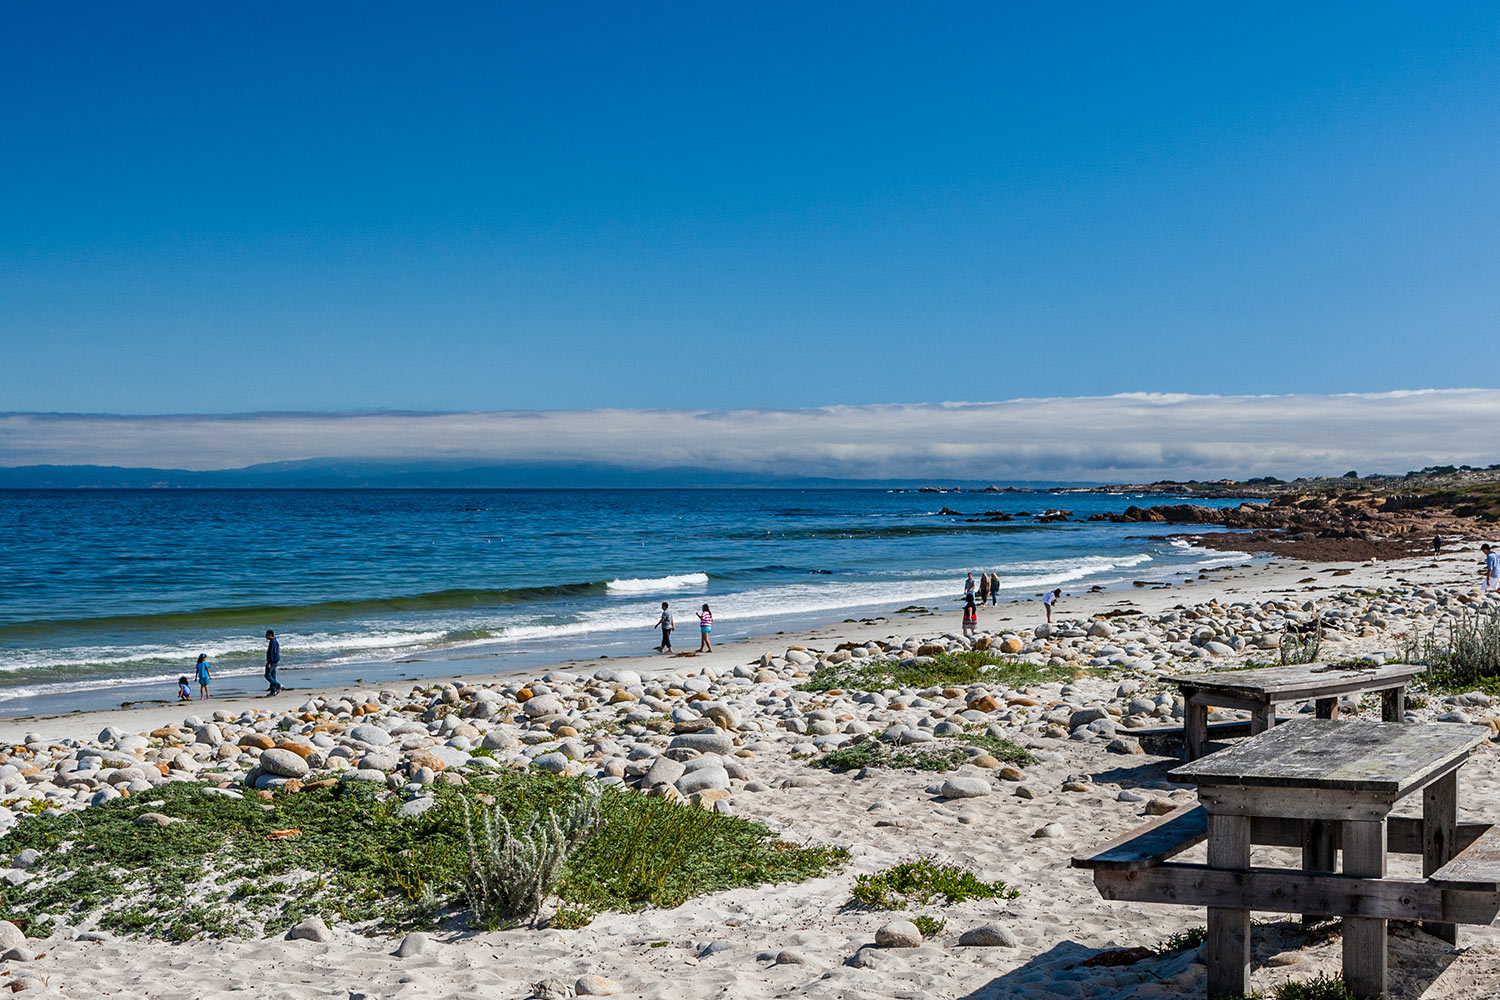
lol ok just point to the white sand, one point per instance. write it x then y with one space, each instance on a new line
1059 919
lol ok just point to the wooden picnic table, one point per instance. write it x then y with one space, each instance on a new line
1324 785
1260 690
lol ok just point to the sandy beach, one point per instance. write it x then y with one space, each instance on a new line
804 939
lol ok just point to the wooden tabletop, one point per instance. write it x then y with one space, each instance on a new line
1290 682
1391 757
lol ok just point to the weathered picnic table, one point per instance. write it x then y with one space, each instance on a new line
1260 690
1323 786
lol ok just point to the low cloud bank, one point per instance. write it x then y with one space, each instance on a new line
1130 437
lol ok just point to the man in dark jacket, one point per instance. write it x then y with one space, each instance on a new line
273 659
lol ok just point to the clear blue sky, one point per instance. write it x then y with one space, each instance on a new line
223 208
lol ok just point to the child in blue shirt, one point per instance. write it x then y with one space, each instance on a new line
205 676
183 694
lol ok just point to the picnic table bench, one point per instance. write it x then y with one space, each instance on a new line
1260 690
1324 787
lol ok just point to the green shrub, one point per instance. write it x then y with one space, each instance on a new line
513 869
1301 648
1469 659
929 926
921 882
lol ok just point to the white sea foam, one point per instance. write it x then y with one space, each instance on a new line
650 584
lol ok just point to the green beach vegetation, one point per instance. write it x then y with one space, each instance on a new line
939 670
189 860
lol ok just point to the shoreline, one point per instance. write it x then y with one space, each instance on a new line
1278 573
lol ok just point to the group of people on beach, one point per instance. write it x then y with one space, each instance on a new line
988 588
204 672
665 623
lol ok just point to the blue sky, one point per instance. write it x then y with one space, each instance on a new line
215 209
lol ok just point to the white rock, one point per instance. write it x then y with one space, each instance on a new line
960 787
311 929
899 934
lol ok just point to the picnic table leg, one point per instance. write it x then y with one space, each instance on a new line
1318 853
1228 930
1439 820
1195 727
1393 704
1262 718
1327 708
1364 937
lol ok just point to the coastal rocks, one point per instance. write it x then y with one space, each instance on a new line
414 944
711 778
898 934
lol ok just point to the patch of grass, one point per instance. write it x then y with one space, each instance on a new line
942 754
944 670
1183 940
1320 988
1468 659
922 882
215 873
929 926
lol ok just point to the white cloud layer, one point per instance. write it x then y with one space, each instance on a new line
1130 437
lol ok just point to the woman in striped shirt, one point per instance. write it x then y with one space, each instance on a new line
705 626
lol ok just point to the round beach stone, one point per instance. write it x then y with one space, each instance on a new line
712 741
988 936
311 929
283 763
11 936
542 704
899 934
369 735
960 787
595 986
704 779
552 763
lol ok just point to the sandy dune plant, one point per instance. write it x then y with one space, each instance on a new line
514 869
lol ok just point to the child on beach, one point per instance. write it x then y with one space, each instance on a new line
971 618
705 626
205 676
183 693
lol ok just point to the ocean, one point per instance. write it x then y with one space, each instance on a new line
107 596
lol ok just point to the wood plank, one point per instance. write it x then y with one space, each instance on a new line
1365 952
1301 681
1150 843
1319 852
1393 704
1476 868
1196 725
1332 803
1403 834
1439 831
1280 890
1228 942
1326 708
1321 754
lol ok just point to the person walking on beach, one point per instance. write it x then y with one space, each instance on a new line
994 588
705 626
984 588
1048 601
971 618
1437 544
273 660
969 587
665 624
205 676
1491 568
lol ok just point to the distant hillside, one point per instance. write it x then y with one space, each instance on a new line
334 474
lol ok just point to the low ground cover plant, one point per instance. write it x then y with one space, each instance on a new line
945 753
923 882
188 860
942 670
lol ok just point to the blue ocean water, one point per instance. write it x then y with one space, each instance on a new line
108 596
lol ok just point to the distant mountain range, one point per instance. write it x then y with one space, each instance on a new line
419 474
